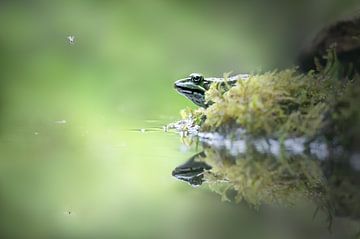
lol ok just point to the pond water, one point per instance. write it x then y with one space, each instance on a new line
82 149
116 180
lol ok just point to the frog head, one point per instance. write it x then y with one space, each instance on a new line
193 88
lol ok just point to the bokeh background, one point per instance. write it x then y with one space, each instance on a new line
73 162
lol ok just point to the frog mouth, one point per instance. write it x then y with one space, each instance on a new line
187 90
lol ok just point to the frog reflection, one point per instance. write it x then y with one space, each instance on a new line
192 171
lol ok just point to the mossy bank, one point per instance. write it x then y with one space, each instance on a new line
284 104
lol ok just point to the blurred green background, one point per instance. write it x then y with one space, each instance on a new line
72 163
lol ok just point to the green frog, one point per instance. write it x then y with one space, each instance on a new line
195 86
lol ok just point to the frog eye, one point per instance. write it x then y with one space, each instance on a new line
196 78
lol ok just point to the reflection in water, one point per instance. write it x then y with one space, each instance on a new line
193 170
269 172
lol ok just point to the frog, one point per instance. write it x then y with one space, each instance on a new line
195 86
192 171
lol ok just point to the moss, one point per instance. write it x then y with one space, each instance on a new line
269 104
344 127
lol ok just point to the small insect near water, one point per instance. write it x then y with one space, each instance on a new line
71 39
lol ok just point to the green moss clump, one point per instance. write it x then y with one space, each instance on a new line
281 103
